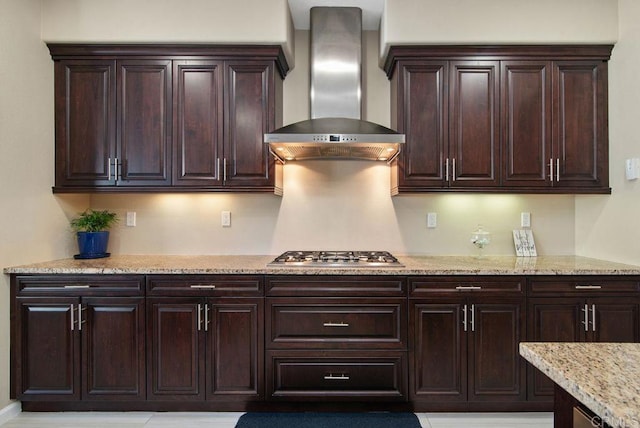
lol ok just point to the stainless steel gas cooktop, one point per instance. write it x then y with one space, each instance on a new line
336 259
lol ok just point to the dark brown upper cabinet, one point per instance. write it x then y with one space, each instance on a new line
139 118
520 119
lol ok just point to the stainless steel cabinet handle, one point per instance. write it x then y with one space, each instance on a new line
80 320
72 320
336 324
336 377
224 169
218 167
593 317
203 286
464 317
446 169
199 317
206 317
453 170
557 169
109 169
78 286
586 317
473 317
588 287
468 287
551 169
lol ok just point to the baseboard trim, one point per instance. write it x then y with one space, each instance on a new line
10 411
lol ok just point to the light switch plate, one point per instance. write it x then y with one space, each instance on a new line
131 218
226 218
525 219
432 220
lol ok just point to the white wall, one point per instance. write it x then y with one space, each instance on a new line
609 227
152 21
34 222
498 21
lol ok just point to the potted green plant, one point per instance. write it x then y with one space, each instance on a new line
92 230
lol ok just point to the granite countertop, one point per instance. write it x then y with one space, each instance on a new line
413 265
605 377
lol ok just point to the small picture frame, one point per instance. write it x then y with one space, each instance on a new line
524 243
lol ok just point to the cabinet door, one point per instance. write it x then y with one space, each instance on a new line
48 349
235 350
526 123
552 320
85 122
113 334
144 122
197 140
613 320
580 134
175 352
474 123
439 360
495 369
249 92
422 109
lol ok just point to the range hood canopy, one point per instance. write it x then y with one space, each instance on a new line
335 129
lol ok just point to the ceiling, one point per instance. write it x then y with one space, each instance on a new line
371 11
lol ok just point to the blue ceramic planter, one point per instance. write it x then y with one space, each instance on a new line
93 244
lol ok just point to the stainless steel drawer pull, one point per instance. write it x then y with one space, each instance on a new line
336 377
203 286
72 320
588 287
77 286
468 287
586 317
336 324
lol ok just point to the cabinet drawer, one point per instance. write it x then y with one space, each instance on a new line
344 285
583 285
325 323
352 376
79 285
205 285
466 285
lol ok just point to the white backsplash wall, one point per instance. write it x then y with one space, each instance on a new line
334 205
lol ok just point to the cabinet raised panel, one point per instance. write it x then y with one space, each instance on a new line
473 129
144 122
526 119
85 121
580 127
198 122
249 92
440 355
48 360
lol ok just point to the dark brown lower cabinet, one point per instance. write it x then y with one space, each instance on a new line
205 349
578 319
467 350
72 348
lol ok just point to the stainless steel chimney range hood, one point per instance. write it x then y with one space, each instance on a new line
335 130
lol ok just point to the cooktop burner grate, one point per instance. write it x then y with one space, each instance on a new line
336 259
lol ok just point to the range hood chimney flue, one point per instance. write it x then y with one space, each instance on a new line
335 129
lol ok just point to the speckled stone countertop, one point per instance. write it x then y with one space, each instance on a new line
605 377
413 265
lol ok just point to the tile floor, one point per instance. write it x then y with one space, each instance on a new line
228 420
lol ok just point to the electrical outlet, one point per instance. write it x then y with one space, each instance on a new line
131 218
432 220
226 219
525 219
